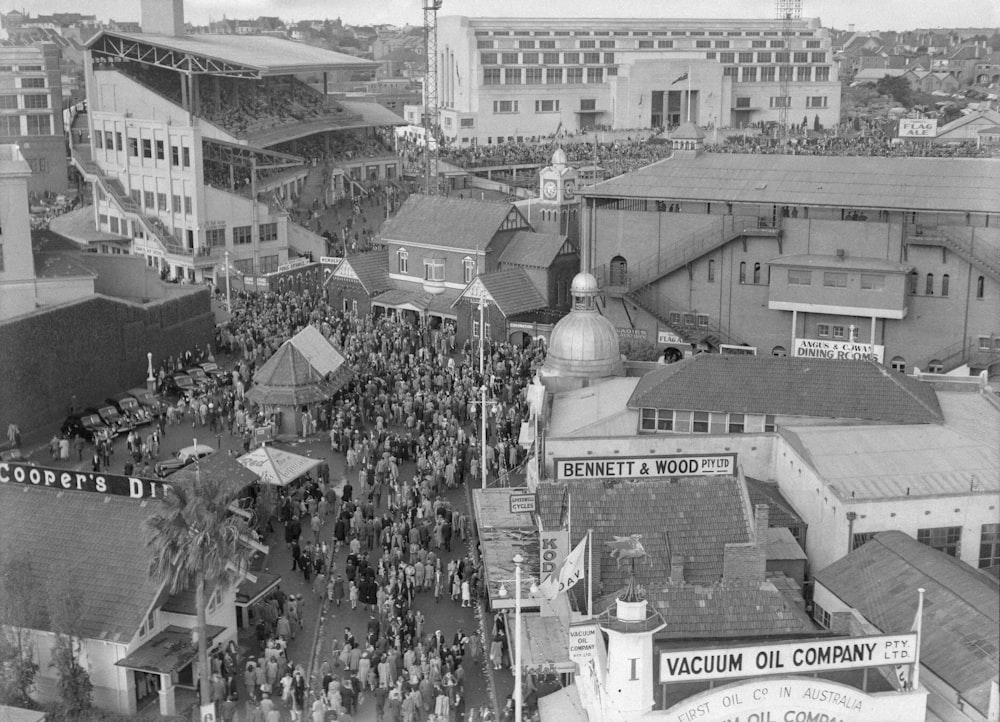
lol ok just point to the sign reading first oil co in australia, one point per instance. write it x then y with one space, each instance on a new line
645 467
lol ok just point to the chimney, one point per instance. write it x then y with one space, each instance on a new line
163 17
850 28
761 512
676 568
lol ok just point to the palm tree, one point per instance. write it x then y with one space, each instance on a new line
197 541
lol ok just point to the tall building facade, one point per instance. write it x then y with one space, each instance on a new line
503 79
31 112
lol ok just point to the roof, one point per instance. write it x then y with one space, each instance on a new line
781 545
985 117
301 371
819 388
779 511
564 704
528 248
107 536
694 517
19 714
960 640
847 263
61 265
371 270
952 184
727 609
414 296
596 410
512 291
167 651
318 350
373 113
267 54
446 222
218 465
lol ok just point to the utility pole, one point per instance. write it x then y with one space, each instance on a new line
786 11
431 8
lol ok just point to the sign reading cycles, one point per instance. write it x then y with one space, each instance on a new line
63 480
645 467
786 658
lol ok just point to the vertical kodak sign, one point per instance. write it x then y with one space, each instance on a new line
552 551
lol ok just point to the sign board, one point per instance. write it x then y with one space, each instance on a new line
730 349
261 282
294 263
632 334
817 655
207 712
13 472
330 260
796 699
583 643
645 467
668 336
917 127
842 350
552 551
521 503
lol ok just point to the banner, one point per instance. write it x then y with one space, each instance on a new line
12 472
569 573
645 467
841 350
917 127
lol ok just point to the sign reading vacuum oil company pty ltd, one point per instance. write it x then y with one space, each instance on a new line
645 467
818 655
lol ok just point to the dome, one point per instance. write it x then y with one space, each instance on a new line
688 131
584 344
584 284
559 157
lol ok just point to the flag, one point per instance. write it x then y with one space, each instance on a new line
682 77
904 672
568 574
458 75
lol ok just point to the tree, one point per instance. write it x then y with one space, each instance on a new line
817 126
22 609
197 542
65 603
897 88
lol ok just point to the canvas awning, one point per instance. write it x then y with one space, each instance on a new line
249 592
276 467
169 651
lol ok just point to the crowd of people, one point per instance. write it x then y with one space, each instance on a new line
848 145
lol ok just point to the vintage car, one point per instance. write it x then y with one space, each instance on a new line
111 417
182 458
129 407
178 385
87 425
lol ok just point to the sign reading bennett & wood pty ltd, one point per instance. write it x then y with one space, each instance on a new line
645 467
818 655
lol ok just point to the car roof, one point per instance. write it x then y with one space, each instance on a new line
121 397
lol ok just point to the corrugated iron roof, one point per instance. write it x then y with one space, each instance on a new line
913 184
446 222
527 248
513 292
960 640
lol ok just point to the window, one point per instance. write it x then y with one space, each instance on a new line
947 539
550 58
781 101
526 44
161 202
39 124
769 425
546 106
268 231
945 282
483 44
147 148
434 269
980 287
736 423
834 279
160 153
984 343
242 235
588 104
468 270
648 420
512 76
508 58
682 422
529 58
803 73
8 102
113 223
914 279
402 261
822 74
533 76
767 74
703 43
929 286
727 57
462 123
491 76
644 44
188 208
743 102
553 76
607 44
823 330
722 43
504 106
800 57
815 101
547 45
743 272
591 58
664 43
148 199
861 539
898 363
133 147
595 75
609 58
32 82
215 237
571 58
10 125
812 43
34 102
989 546
748 74
776 43
746 57
99 139
817 57
176 203
700 425
838 332
758 43
763 57
756 273
702 320
872 282
711 271
784 72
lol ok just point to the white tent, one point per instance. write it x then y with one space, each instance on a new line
277 467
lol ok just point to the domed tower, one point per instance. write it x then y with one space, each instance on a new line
688 141
583 347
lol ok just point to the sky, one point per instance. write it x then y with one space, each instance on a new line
864 14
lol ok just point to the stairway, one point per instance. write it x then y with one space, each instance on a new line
313 188
966 250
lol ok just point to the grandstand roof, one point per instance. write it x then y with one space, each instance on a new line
248 55
912 184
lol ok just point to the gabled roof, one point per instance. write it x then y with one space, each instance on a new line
446 222
371 270
527 248
818 388
694 517
991 117
304 369
99 540
953 184
779 512
961 623
511 290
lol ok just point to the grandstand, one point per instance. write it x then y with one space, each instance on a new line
199 145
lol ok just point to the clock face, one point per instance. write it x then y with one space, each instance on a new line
569 190
549 189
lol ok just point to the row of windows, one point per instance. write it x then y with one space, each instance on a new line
914 285
836 279
781 58
767 74
25 125
546 58
158 201
434 267
645 33
20 68
35 101
948 539
551 76
704 422
823 331
180 156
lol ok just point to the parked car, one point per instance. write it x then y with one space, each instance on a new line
131 409
177 385
182 458
13 455
220 375
111 417
88 425
201 379
148 400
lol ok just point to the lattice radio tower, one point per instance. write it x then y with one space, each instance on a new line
431 8
786 11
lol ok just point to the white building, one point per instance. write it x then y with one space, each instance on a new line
504 79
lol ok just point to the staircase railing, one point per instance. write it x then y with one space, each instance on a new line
965 248
661 307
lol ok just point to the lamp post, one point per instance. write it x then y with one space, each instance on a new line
482 389
150 379
229 307
518 561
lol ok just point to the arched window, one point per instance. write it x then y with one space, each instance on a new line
929 288
980 284
619 271
898 363
935 366
914 280
711 271
468 269
756 273
403 259
779 351
945 279
743 272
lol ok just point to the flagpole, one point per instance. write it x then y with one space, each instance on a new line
590 572
689 95
915 679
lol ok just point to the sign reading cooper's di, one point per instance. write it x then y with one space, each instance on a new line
96 483
645 467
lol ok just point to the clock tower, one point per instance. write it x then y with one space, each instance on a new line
558 208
